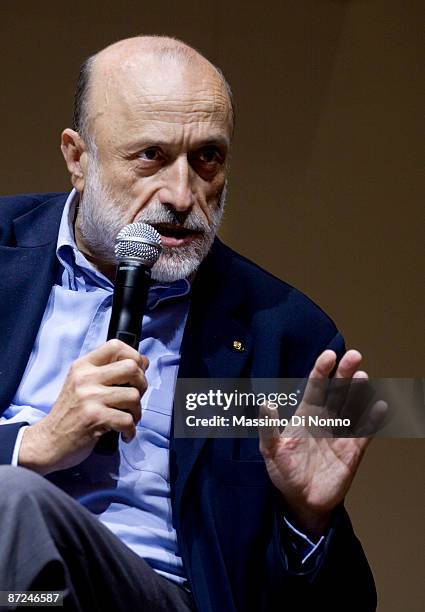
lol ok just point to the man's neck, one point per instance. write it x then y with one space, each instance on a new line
106 268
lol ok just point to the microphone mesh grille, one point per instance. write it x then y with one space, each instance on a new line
138 241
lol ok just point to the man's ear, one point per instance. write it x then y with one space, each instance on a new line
75 153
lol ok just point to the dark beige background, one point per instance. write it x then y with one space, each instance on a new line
326 182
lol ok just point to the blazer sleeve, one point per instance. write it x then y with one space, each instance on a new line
340 579
8 435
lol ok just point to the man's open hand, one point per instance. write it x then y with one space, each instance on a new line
314 473
92 402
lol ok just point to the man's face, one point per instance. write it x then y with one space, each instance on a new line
162 135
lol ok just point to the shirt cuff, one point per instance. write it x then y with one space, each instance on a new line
17 447
301 545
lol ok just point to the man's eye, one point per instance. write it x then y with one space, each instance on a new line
209 155
151 154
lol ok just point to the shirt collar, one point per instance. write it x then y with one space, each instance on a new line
66 232
72 259
158 292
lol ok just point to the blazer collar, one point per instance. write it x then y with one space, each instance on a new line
39 226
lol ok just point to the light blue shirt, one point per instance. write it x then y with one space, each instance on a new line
128 492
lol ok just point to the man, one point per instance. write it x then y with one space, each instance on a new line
169 524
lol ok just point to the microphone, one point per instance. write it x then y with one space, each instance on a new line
137 249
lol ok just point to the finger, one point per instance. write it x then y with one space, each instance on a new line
349 364
347 396
361 375
145 362
324 364
121 422
315 391
124 398
269 434
125 372
376 419
115 350
339 386
358 399
365 414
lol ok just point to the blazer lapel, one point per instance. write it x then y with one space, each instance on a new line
25 283
216 344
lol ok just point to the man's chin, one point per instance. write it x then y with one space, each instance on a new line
172 267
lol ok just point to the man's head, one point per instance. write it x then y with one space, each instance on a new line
152 127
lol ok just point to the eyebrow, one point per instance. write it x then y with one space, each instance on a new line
147 142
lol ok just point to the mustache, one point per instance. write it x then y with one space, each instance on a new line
157 213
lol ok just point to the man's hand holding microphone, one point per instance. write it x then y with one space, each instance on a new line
93 401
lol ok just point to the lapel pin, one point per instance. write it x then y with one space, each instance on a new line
238 346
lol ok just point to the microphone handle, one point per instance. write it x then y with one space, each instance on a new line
128 305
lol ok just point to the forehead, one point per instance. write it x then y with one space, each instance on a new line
153 94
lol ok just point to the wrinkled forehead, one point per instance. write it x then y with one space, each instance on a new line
127 95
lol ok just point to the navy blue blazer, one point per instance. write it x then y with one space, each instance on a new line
226 511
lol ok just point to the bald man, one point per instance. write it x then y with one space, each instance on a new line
163 523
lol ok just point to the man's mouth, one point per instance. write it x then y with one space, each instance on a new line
175 235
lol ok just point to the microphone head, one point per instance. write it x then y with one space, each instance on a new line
138 241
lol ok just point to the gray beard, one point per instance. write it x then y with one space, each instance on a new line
101 217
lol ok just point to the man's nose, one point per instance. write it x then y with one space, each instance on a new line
177 191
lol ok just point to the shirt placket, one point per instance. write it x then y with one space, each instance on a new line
97 330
